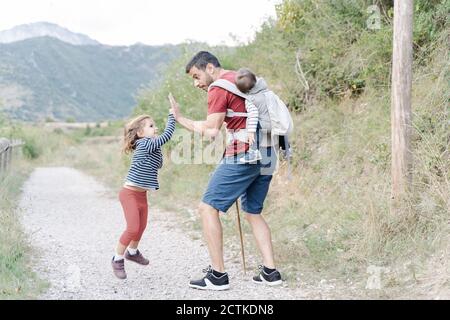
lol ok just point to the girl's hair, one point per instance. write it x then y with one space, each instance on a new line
130 133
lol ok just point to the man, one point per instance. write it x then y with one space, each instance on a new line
231 179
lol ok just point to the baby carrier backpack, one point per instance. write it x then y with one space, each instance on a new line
274 116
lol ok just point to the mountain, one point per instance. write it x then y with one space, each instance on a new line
45 77
43 29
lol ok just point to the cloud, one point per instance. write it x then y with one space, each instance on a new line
125 22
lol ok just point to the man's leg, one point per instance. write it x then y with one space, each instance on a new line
252 204
261 232
228 182
215 278
268 274
212 231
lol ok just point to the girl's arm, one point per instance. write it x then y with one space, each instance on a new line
155 143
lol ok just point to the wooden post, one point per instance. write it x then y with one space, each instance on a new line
4 145
2 159
16 149
401 100
241 236
8 157
8 151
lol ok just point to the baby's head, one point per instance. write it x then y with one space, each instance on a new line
245 80
140 127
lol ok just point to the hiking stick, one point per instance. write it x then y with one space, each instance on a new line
240 234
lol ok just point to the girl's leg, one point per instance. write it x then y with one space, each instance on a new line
143 217
130 205
132 216
133 245
120 249
132 253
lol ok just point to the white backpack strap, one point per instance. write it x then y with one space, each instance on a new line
231 114
230 87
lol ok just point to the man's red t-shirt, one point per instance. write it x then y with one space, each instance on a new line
219 100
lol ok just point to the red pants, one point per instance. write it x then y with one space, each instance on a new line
135 208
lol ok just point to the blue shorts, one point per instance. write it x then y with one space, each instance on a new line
232 180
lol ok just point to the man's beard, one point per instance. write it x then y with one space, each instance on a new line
209 80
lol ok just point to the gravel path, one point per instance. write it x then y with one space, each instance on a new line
74 222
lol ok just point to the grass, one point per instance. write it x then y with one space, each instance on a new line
17 280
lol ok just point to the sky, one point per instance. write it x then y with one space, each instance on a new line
152 22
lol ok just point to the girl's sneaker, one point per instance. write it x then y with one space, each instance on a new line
138 258
119 269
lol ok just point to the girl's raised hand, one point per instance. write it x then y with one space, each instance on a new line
174 107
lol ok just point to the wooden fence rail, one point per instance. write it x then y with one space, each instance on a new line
9 149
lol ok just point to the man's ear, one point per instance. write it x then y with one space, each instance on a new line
210 69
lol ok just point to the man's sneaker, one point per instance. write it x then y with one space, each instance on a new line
138 258
119 268
251 156
271 279
211 282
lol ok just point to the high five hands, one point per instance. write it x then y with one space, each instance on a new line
174 107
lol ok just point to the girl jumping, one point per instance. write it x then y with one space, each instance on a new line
141 139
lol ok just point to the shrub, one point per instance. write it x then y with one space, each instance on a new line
31 149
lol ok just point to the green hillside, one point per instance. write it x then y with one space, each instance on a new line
333 218
43 78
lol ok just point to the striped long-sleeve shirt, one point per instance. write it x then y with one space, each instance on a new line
252 116
148 159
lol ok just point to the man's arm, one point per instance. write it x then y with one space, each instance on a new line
210 127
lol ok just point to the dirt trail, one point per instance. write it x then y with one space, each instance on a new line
74 222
